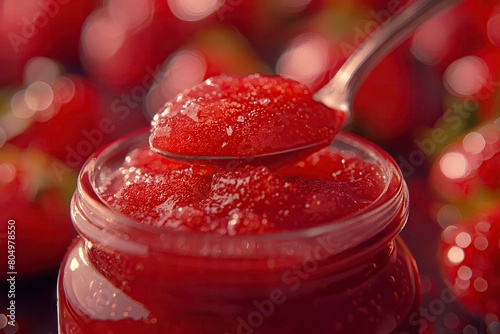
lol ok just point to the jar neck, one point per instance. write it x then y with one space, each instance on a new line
122 258
338 246
165 274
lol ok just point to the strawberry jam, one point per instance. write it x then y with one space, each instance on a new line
306 244
178 254
262 119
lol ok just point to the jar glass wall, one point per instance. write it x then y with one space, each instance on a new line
347 276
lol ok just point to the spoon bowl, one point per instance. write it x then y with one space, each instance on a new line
267 159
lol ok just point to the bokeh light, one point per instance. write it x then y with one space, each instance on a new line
480 284
38 96
455 255
65 89
102 36
131 14
194 10
447 215
41 69
185 69
481 243
431 42
451 321
474 143
463 239
305 60
20 107
7 172
454 165
465 76
464 273
493 30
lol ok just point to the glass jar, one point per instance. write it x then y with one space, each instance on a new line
350 276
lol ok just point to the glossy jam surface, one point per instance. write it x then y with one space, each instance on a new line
244 117
328 185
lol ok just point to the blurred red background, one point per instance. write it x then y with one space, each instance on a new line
76 74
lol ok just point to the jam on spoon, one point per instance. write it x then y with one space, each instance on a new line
260 119
266 120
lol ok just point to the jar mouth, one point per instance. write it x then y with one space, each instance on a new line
95 220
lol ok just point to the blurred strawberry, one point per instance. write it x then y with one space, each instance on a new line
452 34
57 114
35 195
470 262
475 79
492 29
383 107
124 42
464 173
471 96
32 28
212 52
265 23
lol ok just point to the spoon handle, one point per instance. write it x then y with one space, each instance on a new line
340 91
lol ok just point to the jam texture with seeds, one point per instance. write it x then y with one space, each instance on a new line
244 117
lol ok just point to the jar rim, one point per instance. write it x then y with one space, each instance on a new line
95 220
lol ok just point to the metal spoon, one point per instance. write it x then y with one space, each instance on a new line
339 93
